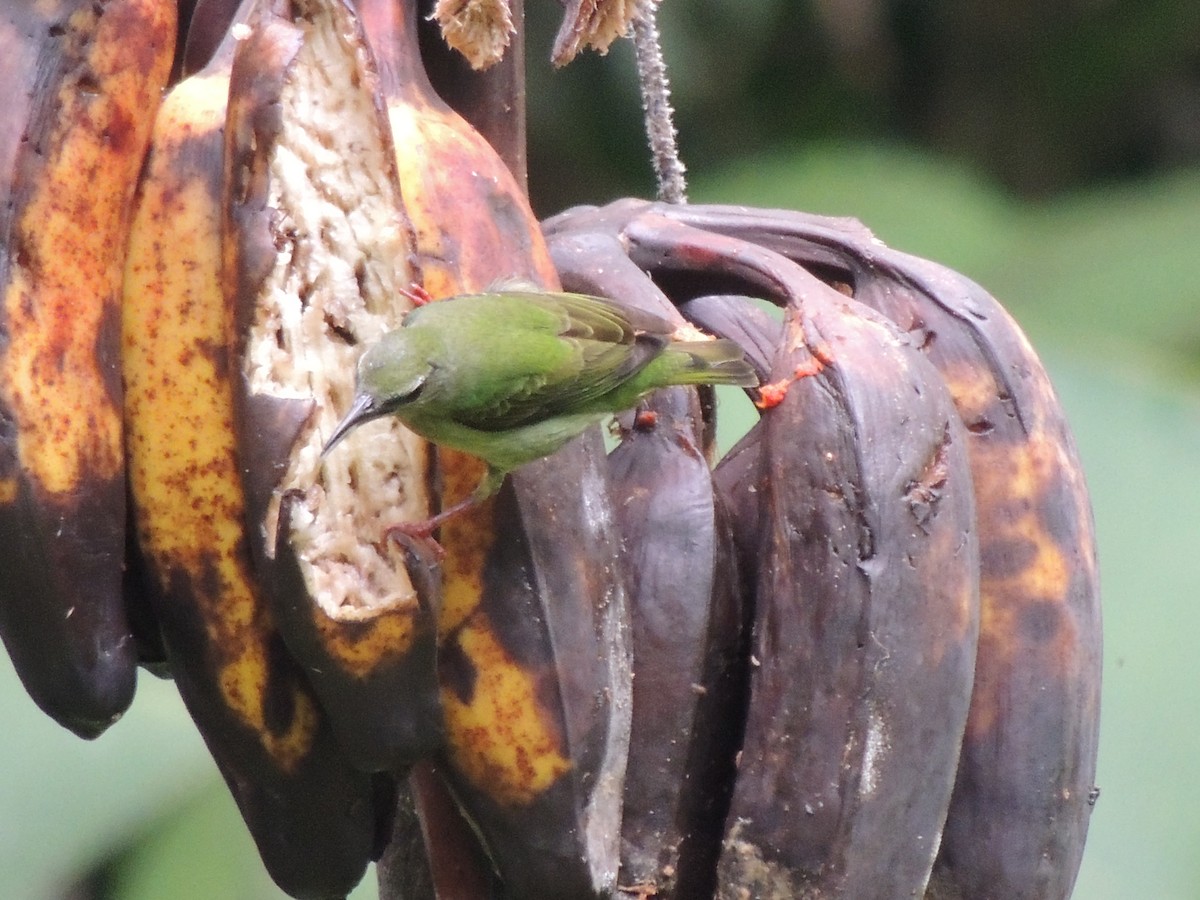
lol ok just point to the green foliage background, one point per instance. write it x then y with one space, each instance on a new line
1101 268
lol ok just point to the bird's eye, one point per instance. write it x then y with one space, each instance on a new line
394 403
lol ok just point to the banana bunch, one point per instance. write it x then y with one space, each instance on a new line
186 291
857 656
914 541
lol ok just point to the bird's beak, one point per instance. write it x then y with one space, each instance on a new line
362 410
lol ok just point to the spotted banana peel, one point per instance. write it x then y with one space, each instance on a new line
83 82
312 813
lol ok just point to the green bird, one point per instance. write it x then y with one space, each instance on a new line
510 376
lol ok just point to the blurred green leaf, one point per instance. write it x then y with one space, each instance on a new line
1114 266
67 803
145 798
1140 442
202 851
199 851
911 201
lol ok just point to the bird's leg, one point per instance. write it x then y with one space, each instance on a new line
424 529
417 294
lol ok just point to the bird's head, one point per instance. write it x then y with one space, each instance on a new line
391 375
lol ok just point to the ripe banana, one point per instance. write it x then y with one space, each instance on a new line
1018 820
83 82
205 29
312 815
866 612
290 197
533 655
866 619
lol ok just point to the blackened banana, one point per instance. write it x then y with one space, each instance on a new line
1018 821
865 622
686 608
866 604
687 618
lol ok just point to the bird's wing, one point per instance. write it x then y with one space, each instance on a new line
598 319
568 351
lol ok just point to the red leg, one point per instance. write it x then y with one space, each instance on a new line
424 529
645 420
417 294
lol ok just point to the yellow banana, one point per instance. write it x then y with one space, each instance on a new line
309 811
84 81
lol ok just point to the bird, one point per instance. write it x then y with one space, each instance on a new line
509 376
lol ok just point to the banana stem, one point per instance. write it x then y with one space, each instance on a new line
656 101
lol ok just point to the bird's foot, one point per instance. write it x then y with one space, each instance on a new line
423 530
417 294
406 534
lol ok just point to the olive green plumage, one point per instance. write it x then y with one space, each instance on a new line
510 376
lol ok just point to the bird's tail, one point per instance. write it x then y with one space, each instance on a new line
713 362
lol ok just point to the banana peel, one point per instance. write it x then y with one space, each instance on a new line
856 487
865 622
867 603
689 650
687 610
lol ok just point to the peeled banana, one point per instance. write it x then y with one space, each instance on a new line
316 250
